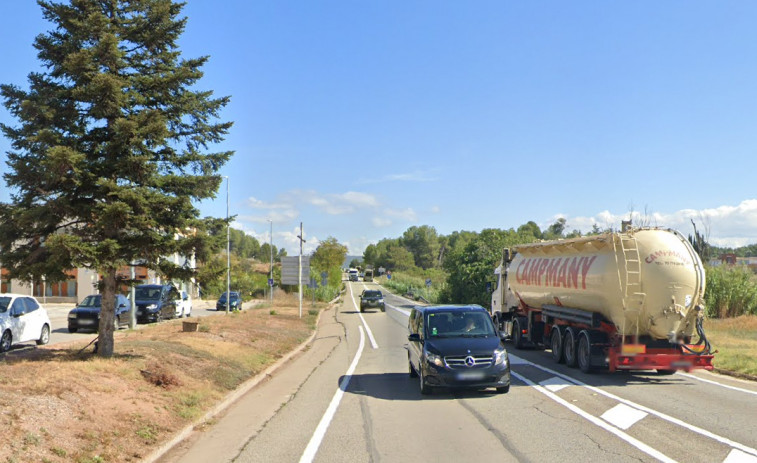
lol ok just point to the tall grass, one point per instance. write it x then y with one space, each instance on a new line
403 284
731 291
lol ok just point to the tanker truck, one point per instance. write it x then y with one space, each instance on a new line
630 300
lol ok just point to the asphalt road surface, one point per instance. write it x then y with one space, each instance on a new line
349 398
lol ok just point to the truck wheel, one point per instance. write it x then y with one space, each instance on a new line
664 372
517 335
570 347
584 352
556 342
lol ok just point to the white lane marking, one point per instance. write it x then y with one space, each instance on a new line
554 383
623 416
593 419
403 311
737 456
690 427
514 360
323 425
717 383
365 324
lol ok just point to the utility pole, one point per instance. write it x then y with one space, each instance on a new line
270 278
300 268
228 248
132 302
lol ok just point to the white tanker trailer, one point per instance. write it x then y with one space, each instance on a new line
630 300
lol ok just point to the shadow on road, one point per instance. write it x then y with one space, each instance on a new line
400 386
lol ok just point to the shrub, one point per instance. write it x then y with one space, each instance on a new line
731 291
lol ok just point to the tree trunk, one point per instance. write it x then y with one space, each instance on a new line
105 346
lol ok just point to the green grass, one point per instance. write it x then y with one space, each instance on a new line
735 340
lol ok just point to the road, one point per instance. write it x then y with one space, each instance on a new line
349 398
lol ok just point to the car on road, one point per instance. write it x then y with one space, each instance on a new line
235 301
86 315
353 275
371 298
456 346
156 302
22 319
184 307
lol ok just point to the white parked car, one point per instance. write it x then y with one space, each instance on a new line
22 319
184 306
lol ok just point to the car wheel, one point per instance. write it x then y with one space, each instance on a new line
159 316
72 329
6 341
44 336
410 368
503 390
116 324
425 388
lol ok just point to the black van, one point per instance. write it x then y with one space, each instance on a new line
456 346
155 302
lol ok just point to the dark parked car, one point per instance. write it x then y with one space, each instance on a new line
456 346
235 302
156 302
371 298
86 315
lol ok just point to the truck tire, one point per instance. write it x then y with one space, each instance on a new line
556 343
583 354
569 348
517 335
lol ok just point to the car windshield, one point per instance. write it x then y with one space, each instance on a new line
234 297
147 294
459 324
4 303
91 301
372 294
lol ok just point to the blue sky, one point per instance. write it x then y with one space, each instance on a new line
361 119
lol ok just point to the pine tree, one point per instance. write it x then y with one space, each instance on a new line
111 149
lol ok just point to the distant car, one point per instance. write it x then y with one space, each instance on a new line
371 298
353 275
184 308
155 302
456 347
22 319
235 302
86 315
368 275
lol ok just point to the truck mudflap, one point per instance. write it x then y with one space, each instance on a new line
659 359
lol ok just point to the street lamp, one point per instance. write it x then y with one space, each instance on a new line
270 245
228 248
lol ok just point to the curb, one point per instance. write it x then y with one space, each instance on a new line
231 398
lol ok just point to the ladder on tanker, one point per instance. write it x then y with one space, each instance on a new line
632 296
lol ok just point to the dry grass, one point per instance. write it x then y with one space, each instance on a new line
736 342
60 405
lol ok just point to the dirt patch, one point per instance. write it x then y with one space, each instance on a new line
58 404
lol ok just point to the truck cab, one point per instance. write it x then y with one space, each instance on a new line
504 300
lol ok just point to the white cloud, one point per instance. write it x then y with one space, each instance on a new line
435 209
259 204
407 214
340 204
731 226
380 221
417 176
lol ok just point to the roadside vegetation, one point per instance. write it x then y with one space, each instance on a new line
161 380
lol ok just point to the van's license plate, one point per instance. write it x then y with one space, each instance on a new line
470 375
